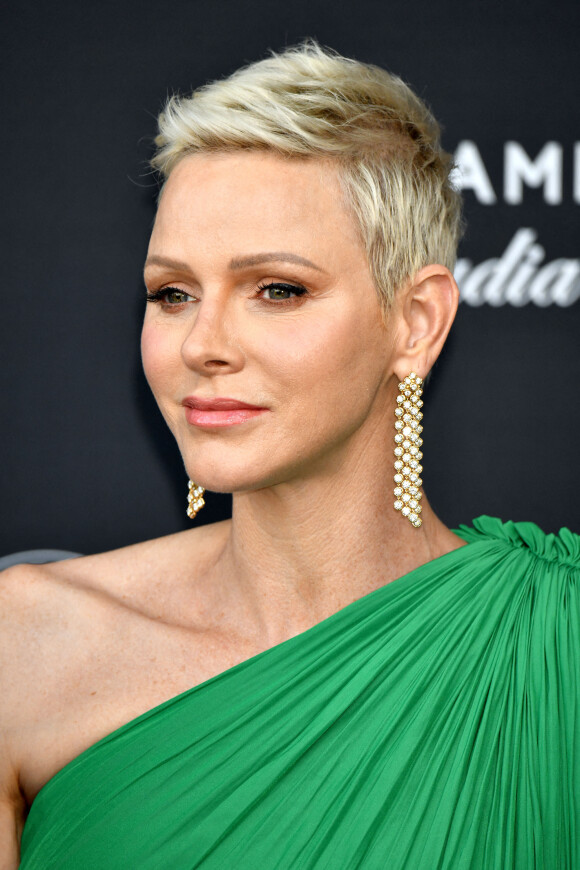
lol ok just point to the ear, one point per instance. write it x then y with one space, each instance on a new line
427 310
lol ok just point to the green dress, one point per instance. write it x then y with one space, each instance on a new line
433 724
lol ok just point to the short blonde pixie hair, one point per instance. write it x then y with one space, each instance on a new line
310 102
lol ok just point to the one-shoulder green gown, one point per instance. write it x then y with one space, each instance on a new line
433 724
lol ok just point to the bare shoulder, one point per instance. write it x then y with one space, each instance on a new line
60 626
45 610
34 606
43 613
28 613
115 573
55 617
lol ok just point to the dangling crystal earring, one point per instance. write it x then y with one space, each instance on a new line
195 499
408 456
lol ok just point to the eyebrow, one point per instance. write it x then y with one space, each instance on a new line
274 256
237 262
156 260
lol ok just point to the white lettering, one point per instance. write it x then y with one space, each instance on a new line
517 291
545 170
558 282
566 289
515 279
471 173
462 269
473 285
512 257
540 287
577 172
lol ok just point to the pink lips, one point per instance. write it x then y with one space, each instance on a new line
219 412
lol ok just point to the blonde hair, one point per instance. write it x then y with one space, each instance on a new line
310 102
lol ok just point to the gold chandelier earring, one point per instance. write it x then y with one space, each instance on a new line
408 454
195 499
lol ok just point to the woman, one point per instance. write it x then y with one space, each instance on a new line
332 679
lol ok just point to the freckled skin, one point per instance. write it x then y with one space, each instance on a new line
320 364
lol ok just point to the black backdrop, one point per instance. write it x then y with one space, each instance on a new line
86 461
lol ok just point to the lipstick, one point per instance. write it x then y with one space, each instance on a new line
219 412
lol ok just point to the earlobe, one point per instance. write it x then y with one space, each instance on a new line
428 308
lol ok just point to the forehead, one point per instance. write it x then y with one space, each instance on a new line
255 200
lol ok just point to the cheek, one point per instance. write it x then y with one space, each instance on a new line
294 358
320 362
159 358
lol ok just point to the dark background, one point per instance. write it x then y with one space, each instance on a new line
87 463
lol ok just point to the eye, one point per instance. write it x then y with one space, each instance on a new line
280 292
170 296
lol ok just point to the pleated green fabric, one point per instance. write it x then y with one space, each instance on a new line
432 724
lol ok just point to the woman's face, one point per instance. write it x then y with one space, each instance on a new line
264 296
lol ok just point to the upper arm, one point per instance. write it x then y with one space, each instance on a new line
13 605
12 804
11 823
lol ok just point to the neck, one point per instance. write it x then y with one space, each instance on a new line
298 552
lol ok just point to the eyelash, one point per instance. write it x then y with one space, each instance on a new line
297 289
158 296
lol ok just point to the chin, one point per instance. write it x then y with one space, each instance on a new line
225 478
242 474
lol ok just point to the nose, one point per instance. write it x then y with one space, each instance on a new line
211 345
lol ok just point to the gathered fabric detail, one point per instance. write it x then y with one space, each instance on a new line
563 547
